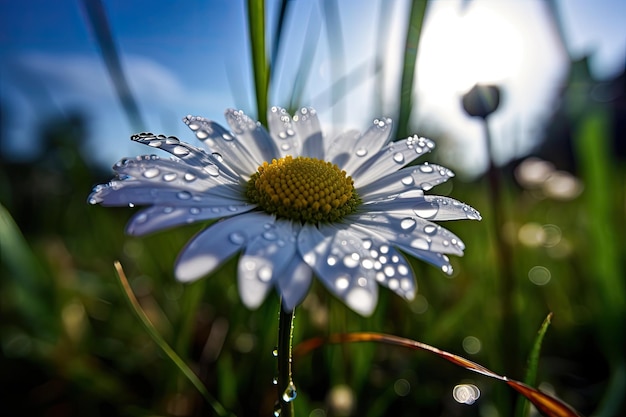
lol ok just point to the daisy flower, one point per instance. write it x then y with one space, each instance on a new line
294 203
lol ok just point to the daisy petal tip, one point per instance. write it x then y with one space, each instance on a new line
361 300
189 270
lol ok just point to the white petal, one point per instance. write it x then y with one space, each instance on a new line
158 218
293 283
431 207
307 127
138 192
392 269
181 150
209 248
368 144
422 177
257 140
440 260
390 159
264 259
227 148
340 148
174 173
335 256
411 231
282 131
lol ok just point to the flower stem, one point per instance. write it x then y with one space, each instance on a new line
286 388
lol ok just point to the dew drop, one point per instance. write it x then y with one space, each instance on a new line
194 210
408 180
285 146
202 134
275 381
194 126
430 229
172 140
426 168
170 176
290 393
168 209
398 157
189 177
226 136
155 143
151 172
218 156
237 238
367 264
351 260
408 224
131 205
270 235
265 273
426 186
141 218
361 152
212 170
180 151
184 195
342 283
331 260
275 352
420 243
426 210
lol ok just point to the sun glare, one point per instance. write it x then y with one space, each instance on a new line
459 49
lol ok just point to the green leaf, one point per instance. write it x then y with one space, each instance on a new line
522 407
256 31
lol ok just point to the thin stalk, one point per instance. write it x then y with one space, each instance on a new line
508 323
286 388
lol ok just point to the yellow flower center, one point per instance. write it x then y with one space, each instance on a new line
303 189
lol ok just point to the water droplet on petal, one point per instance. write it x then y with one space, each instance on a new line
352 260
265 273
331 260
426 210
151 172
212 170
194 210
342 283
398 157
218 156
170 176
194 126
131 205
275 352
189 177
180 151
408 180
184 195
237 238
426 168
172 140
430 229
420 243
226 136
361 152
408 224
270 235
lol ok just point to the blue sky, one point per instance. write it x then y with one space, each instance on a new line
192 57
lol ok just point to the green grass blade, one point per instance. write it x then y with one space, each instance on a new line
256 31
523 404
162 344
414 30
99 23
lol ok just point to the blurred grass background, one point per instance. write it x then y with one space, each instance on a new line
70 346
